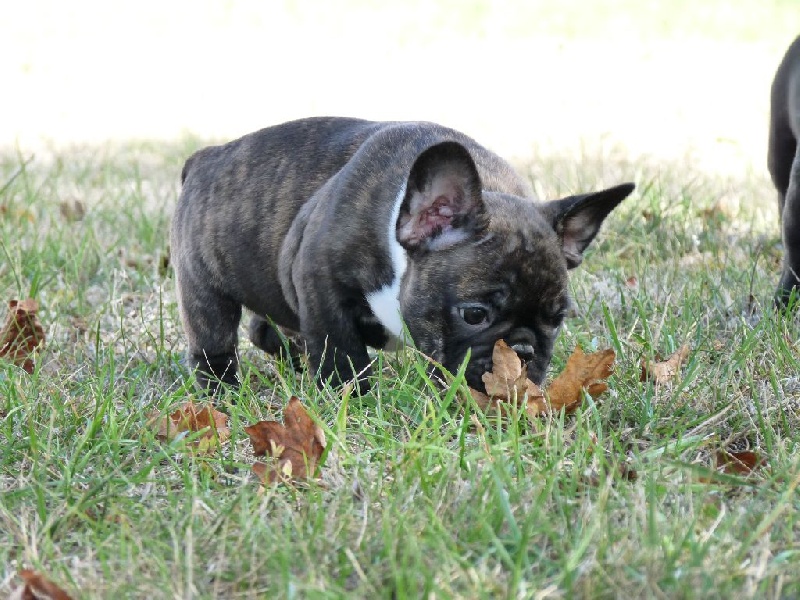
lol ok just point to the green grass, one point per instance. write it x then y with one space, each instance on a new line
414 500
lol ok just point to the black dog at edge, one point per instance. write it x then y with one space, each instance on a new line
784 165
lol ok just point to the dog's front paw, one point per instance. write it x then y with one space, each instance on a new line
213 372
346 374
338 368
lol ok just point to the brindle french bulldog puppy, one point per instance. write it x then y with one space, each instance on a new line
784 164
345 231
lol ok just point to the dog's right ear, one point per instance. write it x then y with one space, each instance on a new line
443 205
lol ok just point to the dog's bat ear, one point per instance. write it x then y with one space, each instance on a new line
577 219
443 205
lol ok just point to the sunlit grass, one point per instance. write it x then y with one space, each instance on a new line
416 498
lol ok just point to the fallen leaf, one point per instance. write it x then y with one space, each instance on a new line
296 446
737 463
38 587
189 418
508 377
72 210
627 472
508 385
664 371
22 333
582 372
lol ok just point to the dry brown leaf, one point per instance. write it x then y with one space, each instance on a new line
22 334
38 587
583 371
666 370
506 371
72 210
737 463
508 385
296 446
191 418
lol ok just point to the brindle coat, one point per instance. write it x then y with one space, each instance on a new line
304 223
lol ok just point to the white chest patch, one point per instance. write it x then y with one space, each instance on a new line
385 302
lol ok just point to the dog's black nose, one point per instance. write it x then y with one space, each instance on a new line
524 351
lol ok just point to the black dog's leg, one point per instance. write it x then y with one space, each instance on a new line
336 352
781 149
784 168
790 277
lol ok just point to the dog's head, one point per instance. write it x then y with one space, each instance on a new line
485 265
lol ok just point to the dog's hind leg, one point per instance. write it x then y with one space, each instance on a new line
210 320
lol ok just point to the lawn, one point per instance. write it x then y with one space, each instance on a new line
419 495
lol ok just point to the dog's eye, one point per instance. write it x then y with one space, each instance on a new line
473 315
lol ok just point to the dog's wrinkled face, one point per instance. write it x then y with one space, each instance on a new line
485 266
509 284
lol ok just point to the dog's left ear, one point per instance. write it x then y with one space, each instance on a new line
577 219
443 205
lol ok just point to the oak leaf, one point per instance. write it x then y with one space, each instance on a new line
38 587
22 334
582 372
666 370
296 446
508 384
191 418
